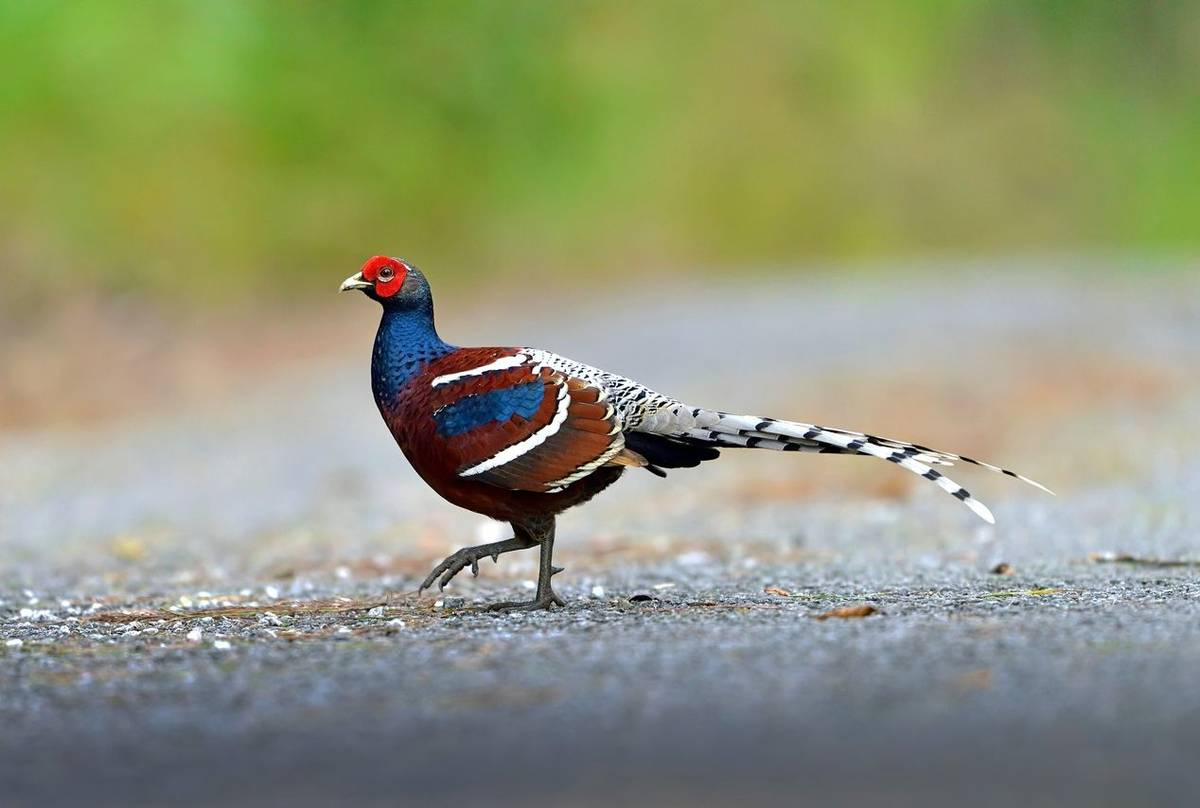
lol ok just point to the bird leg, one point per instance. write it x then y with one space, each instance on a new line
546 596
455 563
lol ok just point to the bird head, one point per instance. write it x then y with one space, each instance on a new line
394 283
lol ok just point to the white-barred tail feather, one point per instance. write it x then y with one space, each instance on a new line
769 433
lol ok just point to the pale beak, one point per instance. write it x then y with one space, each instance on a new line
355 282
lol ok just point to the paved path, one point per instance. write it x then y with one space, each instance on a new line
216 603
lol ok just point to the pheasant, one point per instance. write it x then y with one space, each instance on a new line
521 434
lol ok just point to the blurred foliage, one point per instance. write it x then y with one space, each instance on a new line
199 149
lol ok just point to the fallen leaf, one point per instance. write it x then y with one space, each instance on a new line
774 590
860 610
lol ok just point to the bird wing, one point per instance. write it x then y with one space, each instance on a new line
525 426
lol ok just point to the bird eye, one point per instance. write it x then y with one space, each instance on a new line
386 274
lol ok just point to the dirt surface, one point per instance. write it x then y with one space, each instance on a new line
214 602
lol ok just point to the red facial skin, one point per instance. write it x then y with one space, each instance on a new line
374 266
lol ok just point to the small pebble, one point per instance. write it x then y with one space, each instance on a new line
597 591
376 612
14 643
221 645
396 622
272 592
195 635
449 602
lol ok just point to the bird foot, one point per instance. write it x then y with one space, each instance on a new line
545 601
455 563
546 597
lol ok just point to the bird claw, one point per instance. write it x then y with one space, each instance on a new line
450 566
456 562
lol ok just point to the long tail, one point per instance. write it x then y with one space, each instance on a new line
724 429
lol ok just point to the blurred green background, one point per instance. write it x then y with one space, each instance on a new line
199 150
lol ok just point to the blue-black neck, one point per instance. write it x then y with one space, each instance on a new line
405 343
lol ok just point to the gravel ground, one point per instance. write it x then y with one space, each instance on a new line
216 605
